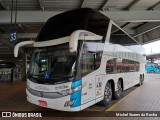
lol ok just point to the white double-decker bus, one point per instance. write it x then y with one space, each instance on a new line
81 57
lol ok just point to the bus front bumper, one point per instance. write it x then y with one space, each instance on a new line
57 104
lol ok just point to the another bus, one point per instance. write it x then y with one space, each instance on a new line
152 67
80 58
6 71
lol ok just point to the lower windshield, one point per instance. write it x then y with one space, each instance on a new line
53 64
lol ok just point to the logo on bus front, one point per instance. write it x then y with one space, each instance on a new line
42 88
41 94
61 87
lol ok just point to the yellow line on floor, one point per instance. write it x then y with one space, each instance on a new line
121 100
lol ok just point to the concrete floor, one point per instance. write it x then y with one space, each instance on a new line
143 98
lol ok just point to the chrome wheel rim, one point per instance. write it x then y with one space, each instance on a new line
108 93
140 81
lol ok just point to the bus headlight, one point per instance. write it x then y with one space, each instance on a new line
70 91
76 89
65 92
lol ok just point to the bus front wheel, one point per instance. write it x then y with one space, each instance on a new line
107 94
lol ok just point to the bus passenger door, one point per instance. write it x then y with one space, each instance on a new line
88 90
88 73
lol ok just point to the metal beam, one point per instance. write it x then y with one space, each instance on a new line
146 28
137 26
153 6
27 16
6 43
117 16
102 7
131 5
124 25
133 16
150 8
6 56
3 5
149 36
128 8
20 35
6 50
9 59
129 31
82 3
41 5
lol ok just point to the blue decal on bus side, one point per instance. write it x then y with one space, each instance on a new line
77 95
76 83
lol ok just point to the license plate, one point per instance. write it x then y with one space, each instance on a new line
42 103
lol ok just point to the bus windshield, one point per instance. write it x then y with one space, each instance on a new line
53 64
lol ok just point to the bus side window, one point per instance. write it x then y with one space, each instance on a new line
91 56
110 66
119 65
98 57
87 63
130 65
99 52
87 58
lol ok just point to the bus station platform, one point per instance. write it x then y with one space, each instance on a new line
143 98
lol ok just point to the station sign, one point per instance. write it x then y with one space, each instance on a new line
13 35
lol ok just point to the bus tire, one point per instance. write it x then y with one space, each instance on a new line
143 78
117 93
140 81
107 95
152 71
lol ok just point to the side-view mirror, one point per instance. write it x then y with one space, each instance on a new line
21 44
81 35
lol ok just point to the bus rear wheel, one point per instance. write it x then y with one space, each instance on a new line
118 92
107 94
140 81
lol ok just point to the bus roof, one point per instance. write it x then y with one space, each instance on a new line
64 24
